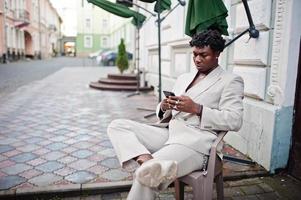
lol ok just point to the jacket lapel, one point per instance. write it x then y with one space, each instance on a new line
206 83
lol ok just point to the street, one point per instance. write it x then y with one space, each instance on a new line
16 74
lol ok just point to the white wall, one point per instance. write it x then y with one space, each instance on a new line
268 66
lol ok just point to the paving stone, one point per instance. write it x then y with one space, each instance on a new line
11 153
97 169
247 197
115 175
8 141
97 148
96 157
16 169
106 143
10 181
41 151
45 179
113 196
80 177
82 137
59 138
56 146
82 153
2 174
108 152
6 163
82 164
18 144
6 148
266 187
54 155
83 144
24 157
34 140
252 189
2 157
112 163
268 196
36 162
50 166
67 159
28 148
71 141
69 149
45 142
30 173
65 171
233 191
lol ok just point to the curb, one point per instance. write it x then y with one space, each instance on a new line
65 190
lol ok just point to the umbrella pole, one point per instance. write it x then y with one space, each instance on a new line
159 51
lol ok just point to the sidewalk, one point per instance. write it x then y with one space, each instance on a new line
53 138
53 132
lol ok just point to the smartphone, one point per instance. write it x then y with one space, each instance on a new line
168 93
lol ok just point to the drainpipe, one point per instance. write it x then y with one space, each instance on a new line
40 37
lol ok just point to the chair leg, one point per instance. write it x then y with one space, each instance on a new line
179 190
220 186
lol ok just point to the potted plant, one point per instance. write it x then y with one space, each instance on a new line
122 57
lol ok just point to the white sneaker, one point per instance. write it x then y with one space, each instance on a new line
130 165
155 172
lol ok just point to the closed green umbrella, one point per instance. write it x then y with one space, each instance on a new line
205 14
164 5
120 10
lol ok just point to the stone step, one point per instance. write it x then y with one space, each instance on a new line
117 81
101 86
122 76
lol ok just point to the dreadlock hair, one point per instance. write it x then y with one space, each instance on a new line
210 38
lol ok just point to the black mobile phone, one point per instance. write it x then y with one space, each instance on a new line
168 93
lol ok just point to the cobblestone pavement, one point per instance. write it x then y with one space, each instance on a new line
281 187
53 134
53 131
16 74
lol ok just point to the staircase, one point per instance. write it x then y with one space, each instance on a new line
119 82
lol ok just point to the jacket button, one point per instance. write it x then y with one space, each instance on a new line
185 119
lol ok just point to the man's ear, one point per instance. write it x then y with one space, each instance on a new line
217 53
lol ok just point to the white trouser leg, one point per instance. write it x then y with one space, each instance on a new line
131 139
187 160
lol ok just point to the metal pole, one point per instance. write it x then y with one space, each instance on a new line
159 49
5 35
40 36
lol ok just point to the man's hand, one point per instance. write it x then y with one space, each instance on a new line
183 104
165 105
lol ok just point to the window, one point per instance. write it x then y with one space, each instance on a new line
88 43
105 23
104 42
88 23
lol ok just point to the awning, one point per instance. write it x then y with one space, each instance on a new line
206 14
120 10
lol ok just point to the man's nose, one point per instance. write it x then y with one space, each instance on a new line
198 58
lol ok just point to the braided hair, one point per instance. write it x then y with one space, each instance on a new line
210 38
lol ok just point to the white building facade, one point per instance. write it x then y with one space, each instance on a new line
268 66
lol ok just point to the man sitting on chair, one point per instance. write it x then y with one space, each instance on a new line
205 102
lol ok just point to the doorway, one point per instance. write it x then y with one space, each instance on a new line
294 166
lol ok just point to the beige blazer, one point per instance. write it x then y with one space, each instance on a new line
221 95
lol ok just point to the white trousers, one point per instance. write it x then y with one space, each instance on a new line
131 139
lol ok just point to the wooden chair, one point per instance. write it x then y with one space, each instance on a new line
202 181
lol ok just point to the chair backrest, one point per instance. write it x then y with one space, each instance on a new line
214 169
214 161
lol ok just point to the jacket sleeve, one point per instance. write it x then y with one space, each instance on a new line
229 115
